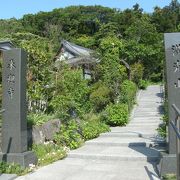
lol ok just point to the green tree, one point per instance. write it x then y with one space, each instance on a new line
10 26
111 72
167 18
144 44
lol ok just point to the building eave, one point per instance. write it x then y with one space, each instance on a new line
6 45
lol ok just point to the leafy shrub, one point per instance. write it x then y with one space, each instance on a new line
100 96
128 93
48 152
91 127
69 135
89 130
116 114
74 133
143 84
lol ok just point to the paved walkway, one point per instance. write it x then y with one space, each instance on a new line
125 153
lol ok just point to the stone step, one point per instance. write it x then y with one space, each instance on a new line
131 153
148 115
141 130
143 114
148 106
143 101
133 141
155 107
127 134
147 110
148 102
152 125
139 116
143 121
147 118
137 133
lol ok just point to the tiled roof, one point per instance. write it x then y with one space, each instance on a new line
75 49
6 45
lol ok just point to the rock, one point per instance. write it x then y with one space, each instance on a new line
50 128
45 132
38 136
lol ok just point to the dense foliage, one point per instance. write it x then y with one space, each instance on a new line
70 93
69 135
100 96
92 126
75 132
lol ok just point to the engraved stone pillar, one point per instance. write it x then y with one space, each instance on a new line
14 123
172 48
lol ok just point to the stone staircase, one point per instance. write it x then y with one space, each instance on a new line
137 142
125 153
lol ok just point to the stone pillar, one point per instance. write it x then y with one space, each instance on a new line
172 48
14 121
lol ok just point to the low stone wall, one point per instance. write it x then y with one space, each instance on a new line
45 132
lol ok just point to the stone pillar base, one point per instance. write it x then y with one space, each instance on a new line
168 164
23 159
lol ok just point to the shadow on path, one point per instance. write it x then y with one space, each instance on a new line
153 157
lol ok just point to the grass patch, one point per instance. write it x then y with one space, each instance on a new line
49 152
169 177
13 169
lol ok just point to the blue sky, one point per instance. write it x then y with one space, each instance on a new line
17 8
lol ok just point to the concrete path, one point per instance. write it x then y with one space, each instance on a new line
125 153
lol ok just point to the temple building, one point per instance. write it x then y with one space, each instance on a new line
77 57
